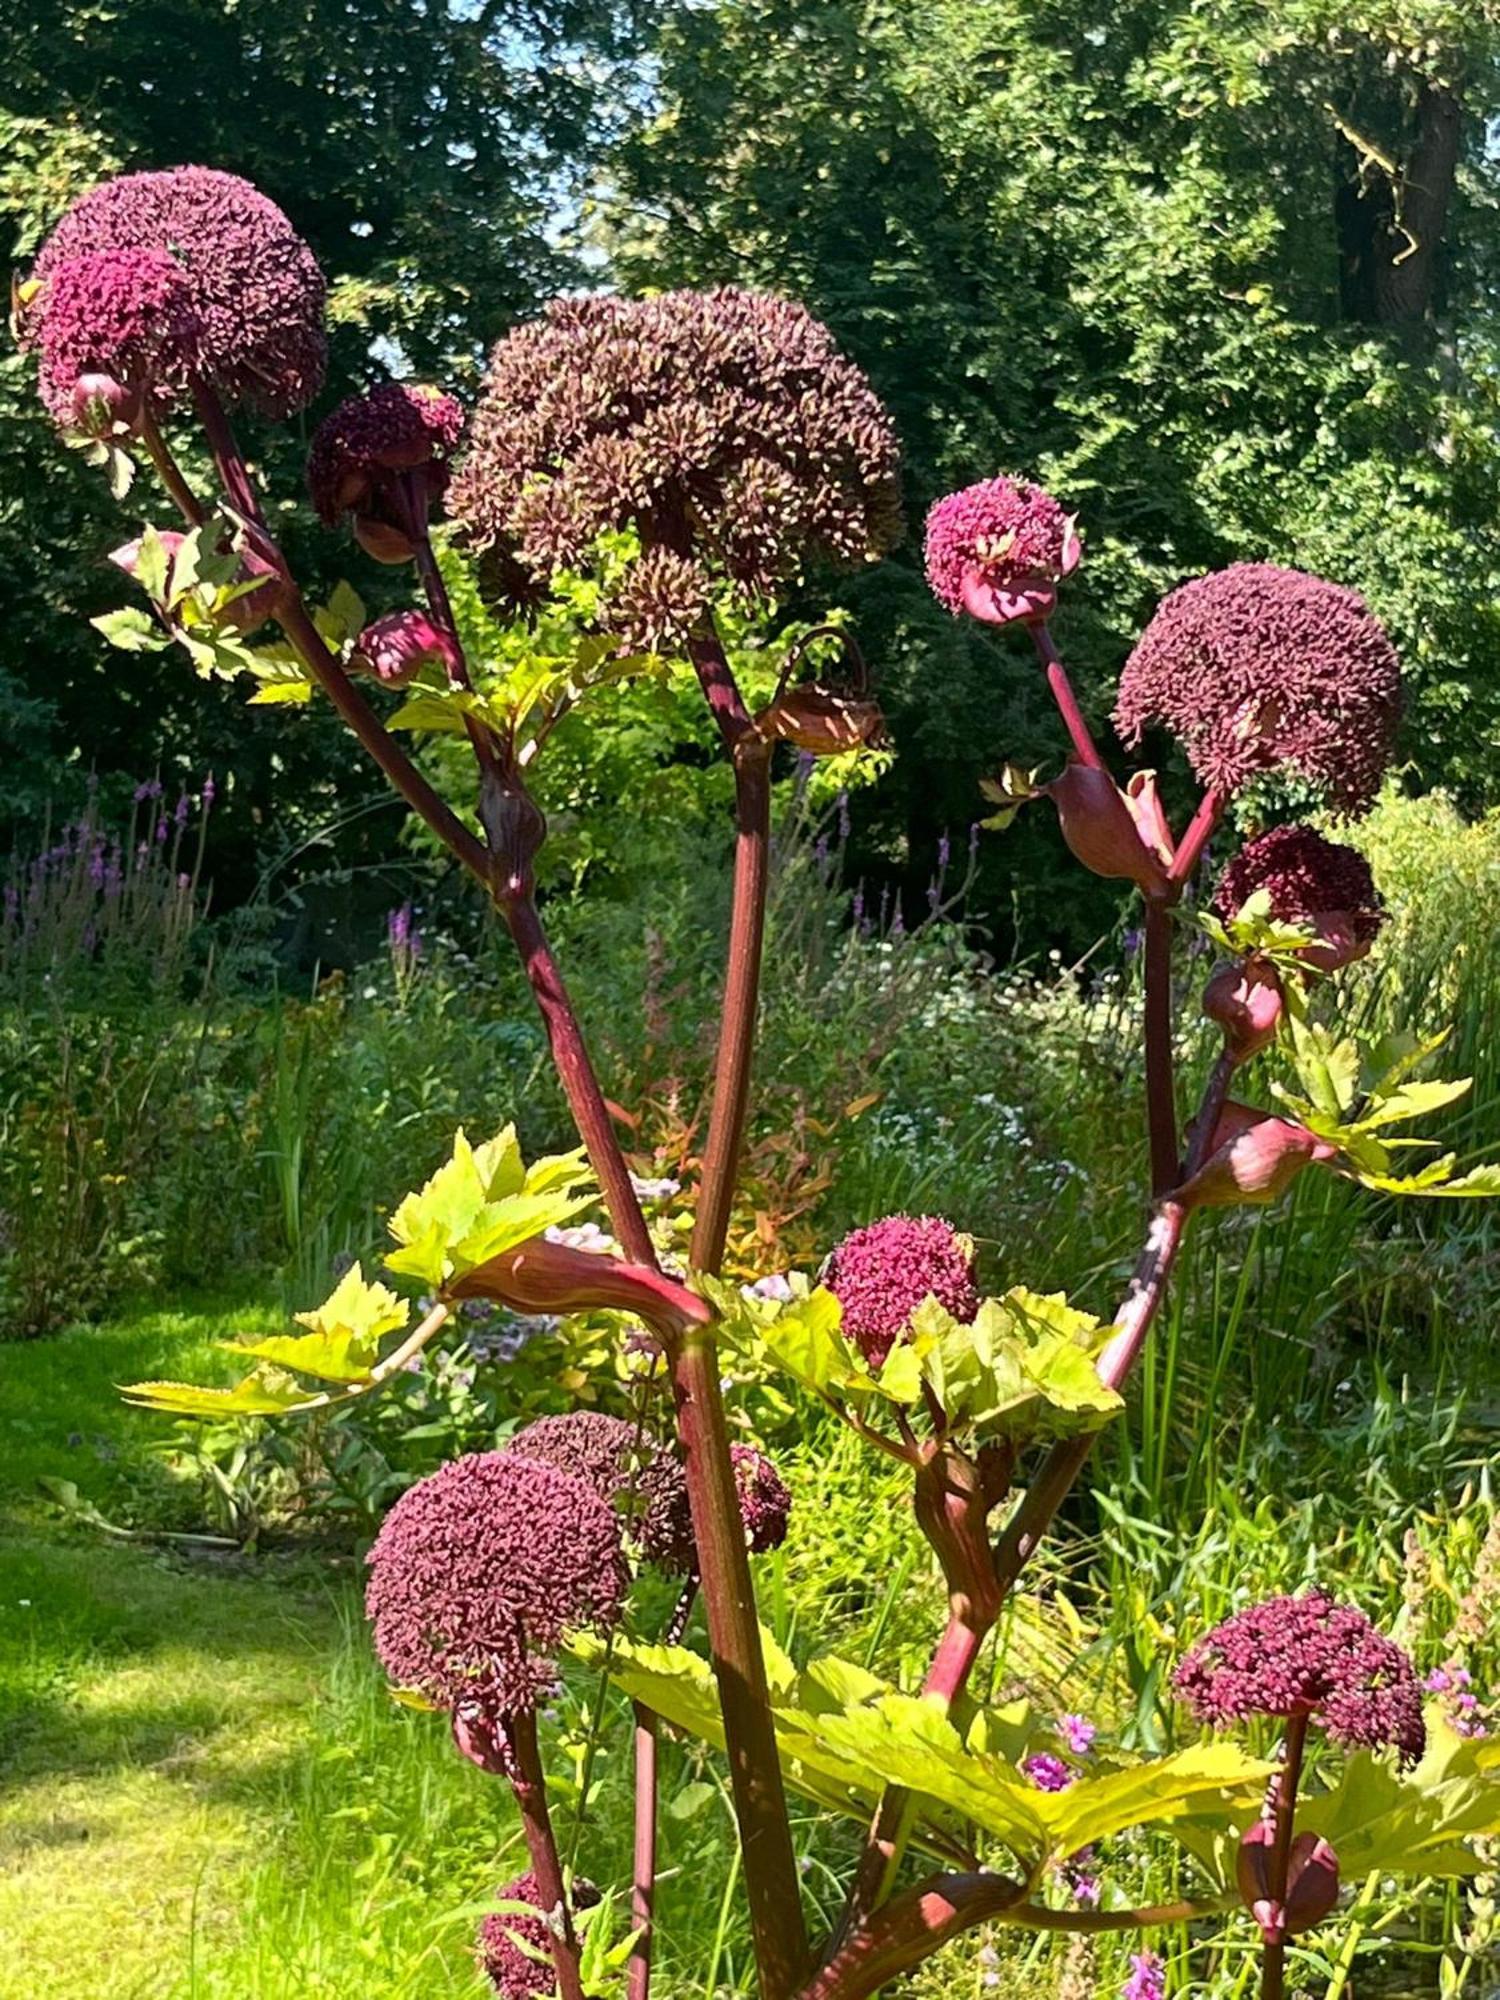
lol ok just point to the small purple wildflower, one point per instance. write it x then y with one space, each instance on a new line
1148 1977
1077 1732
1048 1773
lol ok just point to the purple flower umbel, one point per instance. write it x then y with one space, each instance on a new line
1307 1656
1148 1977
998 550
122 315
514 1948
479 1570
1256 666
880 1275
252 284
725 427
1309 880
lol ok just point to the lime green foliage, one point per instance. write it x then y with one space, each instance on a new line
844 1735
484 1201
1023 1368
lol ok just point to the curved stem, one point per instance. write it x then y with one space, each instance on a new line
1036 1917
747 928
1200 831
909 1929
580 1085
643 1890
1161 1108
1063 695
530 1787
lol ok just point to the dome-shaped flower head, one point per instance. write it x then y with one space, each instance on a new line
112 328
666 1526
1310 880
514 1947
880 1275
380 456
478 1571
253 285
998 551
1307 1656
725 427
1256 666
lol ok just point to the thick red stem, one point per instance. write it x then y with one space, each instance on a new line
169 472
1063 695
1273 1949
771 1880
530 1787
747 928
1200 831
643 1890
909 1929
1161 1107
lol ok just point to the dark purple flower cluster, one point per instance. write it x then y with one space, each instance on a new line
109 322
997 550
362 448
1311 1656
880 1275
479 1570
1256 666
253 286
765 1501
515 1949
725 426
1307 878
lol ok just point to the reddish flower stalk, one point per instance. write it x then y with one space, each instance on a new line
1161 1104
643 1886
1273 1950
1063 695
529 1784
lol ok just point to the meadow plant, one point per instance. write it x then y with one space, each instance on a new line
695 451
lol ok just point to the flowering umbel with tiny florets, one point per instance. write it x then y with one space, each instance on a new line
999 549
383 458
1310 1656
477 1573
114 330
1310 880
725 427
881 1273
252 287
1256 666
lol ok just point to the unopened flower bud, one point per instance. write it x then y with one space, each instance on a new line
243 613
542 1276
395 648
1149 814
101 407
1255 1157
1246 1001
1312 1882
514 829
1103 831
822 721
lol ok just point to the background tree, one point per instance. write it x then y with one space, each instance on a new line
1223 278
425 153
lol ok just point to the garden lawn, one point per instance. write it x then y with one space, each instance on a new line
203 1791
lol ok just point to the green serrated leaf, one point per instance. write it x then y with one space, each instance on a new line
131 631
264 1393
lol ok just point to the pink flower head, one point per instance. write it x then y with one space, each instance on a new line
666 1527
380 455
725 427
880 1275
1078 1733
477 1572
515 1949
112 328
395 648
1310 880
252 285
1256 666
998 551
1308 1656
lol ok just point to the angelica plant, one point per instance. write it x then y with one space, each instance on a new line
664 458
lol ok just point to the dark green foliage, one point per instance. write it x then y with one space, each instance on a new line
1149 256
